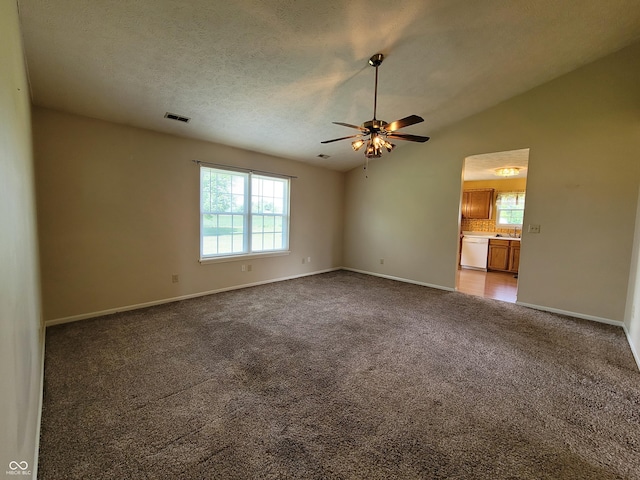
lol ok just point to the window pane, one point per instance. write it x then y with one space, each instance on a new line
209 237
223 233
256 204
238 243
510 217
209 245
257 223
278 205
225 244
267 190
224 223
237 185
205 202
268 241
256 242
205 190
256 186
237 205
209 222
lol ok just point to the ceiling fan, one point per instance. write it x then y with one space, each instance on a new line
375 134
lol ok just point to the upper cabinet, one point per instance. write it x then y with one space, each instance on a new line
477 203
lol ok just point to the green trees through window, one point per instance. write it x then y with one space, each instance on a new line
510 208
242 213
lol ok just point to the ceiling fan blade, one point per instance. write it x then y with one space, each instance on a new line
403 122
341 138
406 136
350 126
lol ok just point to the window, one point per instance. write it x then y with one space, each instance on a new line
242 213
510 208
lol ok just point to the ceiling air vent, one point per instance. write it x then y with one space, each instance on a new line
174 116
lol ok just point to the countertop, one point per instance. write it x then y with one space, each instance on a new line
490 235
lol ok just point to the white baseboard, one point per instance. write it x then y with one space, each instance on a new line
400 279
634 351
126 308
583 316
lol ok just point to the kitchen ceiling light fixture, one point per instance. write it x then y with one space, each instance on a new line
375 133
507 171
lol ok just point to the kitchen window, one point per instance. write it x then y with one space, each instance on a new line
242 213
510 209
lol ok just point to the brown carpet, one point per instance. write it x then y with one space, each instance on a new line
339 376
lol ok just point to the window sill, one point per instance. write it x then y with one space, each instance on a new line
238 258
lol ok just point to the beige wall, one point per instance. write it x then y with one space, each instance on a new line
20 323
582 187
119 215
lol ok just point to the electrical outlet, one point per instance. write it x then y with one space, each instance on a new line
244 268
304 260
174 278
382 261
534 229
308 259
249 268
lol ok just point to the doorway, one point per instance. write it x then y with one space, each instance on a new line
491 215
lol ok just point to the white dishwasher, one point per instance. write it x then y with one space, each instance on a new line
474 252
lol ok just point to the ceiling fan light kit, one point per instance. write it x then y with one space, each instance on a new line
375 133
357 144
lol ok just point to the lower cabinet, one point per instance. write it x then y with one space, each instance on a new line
498 255
514 256
504 255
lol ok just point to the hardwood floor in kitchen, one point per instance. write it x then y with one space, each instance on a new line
497 285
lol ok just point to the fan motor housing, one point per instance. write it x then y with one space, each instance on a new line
374 125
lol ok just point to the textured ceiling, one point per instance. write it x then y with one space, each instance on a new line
483 166
272 76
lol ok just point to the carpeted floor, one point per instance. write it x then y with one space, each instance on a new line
339 376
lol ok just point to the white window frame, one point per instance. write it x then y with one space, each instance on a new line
248 214
520 202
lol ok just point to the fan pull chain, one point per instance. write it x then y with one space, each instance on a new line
366 166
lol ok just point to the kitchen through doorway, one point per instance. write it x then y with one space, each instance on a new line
491 218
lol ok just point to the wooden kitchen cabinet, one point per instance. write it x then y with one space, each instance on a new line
498 255
477 203
514 256
504 255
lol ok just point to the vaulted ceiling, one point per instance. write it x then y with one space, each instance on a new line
271 76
